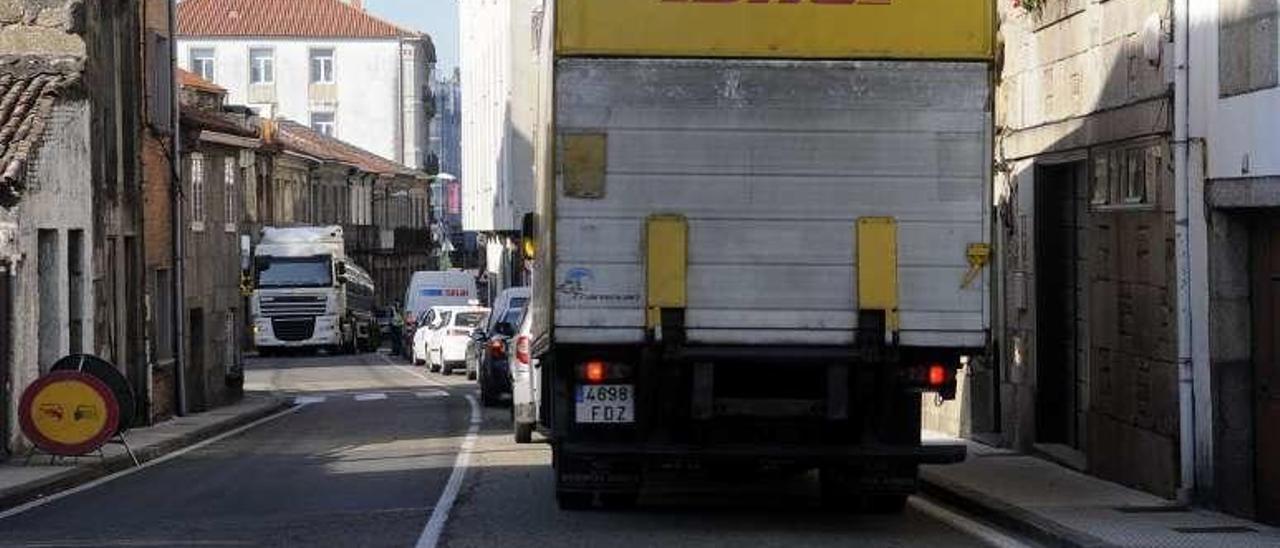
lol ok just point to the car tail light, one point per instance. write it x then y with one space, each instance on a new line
497 349
522 350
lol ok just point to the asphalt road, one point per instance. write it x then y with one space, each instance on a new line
366 457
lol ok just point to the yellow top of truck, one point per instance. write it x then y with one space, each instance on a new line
786 29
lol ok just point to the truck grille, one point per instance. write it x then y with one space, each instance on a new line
293 329
273 307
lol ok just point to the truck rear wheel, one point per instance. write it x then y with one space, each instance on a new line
573 500
524 432
886 504
619 501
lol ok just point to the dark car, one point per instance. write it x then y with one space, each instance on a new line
487 357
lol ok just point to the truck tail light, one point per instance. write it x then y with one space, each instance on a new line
599 371
932 376
593 372
522 350
937 375
497 349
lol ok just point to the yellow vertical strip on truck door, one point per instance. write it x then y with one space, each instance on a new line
877 242
790 29
666 262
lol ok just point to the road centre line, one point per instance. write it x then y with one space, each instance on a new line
440 514
130 471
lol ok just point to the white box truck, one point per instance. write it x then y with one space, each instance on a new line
308 295
761 235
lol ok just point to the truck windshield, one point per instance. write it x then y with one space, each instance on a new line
295 272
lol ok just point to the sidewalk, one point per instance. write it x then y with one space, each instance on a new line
1061 507
20 483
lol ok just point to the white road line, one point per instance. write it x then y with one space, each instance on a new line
371 397
166 458
412 371
432 394
440 514
306 400
984 532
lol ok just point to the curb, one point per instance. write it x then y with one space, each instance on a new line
1005 515
81 474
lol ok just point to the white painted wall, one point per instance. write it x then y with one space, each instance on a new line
60 199
1232 127
371 110
499 111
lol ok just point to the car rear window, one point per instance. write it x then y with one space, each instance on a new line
517 303
469 319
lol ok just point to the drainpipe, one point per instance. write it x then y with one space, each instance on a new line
1182 226
179 246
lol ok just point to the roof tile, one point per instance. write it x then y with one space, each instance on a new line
299 138
293 18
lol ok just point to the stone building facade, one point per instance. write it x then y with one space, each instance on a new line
1087 333
69 217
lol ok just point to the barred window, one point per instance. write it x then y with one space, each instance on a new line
197 191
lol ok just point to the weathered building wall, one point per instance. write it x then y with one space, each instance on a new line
1087 337
214 307
1234 119
47 300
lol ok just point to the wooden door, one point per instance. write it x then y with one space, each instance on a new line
1266 369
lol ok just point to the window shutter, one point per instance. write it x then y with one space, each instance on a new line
160 83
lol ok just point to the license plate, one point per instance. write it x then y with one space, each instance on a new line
606 404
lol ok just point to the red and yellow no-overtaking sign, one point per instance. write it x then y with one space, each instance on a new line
68 413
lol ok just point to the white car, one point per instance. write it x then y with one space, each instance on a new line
447 344
428 322
525 381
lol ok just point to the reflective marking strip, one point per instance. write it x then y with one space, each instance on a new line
371 397
304 400
982 531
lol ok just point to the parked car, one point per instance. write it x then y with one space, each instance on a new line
447 344
487 355
525 382
487 358
427 322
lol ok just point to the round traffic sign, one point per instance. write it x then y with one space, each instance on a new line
112 377
68 413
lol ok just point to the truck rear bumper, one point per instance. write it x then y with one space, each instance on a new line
928 453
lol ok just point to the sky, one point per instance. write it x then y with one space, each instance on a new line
438 18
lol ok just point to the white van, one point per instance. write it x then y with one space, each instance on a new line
443 288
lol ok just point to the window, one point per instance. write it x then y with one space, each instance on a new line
202 62
1135 182
1248 47
162 314
262 69
75 289
322 123
322 66
49 319
229 173
197 192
